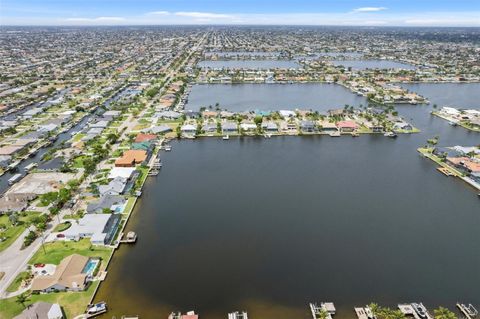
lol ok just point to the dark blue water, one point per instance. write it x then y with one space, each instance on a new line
268 225
243 97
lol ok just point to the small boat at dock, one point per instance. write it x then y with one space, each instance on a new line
325 310
167 148
178 315
390 134
421 311
15 178
153 172
238 315
334 134
469 311
225 137
96 309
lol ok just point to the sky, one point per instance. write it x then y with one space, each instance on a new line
244 12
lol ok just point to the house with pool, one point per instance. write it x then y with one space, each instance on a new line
72 274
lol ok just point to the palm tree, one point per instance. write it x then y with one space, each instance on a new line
443 313
21 299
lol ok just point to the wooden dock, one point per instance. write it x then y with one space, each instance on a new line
445 171
361 314
468 311
131 238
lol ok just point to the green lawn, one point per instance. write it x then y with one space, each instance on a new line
11 232
63 226
56 251
73 303
18 280
129 206
78 161
78 137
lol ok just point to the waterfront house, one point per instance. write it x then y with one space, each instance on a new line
229 127
402 126
347 126
144 137
100 228
248 127
288 126
375 128
107 201
69 276
161 129
188 129
115 187
307 126
130 158
41 310
328 126
270 126
209 128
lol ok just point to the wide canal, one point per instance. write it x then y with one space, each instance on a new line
268 225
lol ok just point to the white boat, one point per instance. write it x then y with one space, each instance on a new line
267 135
225 137
30 166
15 178
390 134
168 148
420 310
334 134
97 308
238 315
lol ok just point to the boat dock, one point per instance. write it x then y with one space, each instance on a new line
238 315
408 310
325 310
364 313
361 314
445 171
468 311
131 238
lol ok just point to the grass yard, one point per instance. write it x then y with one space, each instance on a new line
63 226
18 280
73 303
57 251
11 232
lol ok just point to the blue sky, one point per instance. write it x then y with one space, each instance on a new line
314 12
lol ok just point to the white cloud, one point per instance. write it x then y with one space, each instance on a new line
369 9
100 20
203 15
160 13
367 18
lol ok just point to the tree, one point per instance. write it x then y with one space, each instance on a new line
443 313
21 299
258 120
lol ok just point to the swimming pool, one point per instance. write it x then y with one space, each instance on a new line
90 266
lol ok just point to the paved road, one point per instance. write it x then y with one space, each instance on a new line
13 260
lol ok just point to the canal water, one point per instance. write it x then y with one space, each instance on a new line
268 225
250 64
373 64
273 97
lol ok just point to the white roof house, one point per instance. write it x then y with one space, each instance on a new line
286 113
125 172
450 110
90 225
